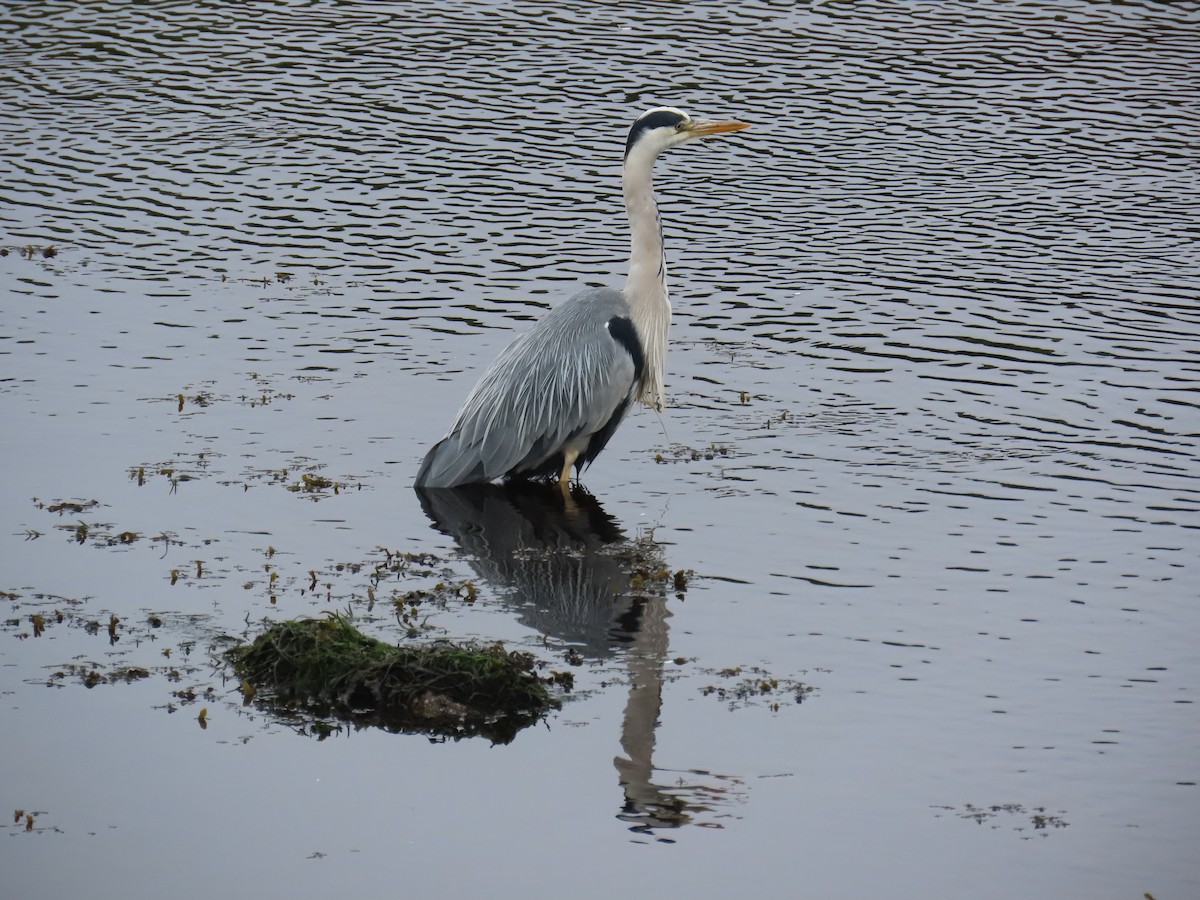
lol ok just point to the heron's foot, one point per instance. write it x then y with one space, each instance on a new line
570 507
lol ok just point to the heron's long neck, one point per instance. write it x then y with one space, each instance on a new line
646 287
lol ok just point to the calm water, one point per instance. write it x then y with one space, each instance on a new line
931 447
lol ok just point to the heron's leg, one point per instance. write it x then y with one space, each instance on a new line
564 477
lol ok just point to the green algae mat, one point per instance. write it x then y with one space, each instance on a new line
328 667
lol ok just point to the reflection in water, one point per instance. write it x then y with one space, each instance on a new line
568 570
544 554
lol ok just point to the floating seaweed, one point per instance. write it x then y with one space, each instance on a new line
328 667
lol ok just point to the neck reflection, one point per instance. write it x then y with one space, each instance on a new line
568 570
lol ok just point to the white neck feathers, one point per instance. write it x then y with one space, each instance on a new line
646 287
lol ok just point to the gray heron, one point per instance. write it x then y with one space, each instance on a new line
555 395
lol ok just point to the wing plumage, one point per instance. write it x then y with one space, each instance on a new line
566 383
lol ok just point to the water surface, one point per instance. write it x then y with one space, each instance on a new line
931 448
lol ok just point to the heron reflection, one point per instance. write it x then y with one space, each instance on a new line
568 570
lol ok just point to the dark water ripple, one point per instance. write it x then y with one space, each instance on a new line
982 216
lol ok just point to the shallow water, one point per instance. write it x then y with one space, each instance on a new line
931 447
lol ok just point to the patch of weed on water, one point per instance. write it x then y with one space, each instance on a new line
326 665
754 686
1038 818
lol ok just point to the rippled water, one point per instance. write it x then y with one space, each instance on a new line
931 446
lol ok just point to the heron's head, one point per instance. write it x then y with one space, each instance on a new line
658 129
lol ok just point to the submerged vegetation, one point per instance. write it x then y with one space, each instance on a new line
298 475
1040 820
755 686
326 665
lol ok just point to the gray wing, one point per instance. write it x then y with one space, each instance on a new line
564 378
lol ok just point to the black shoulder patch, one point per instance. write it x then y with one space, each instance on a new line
656 119
626 335
601 437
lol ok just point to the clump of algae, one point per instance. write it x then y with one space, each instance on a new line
327 666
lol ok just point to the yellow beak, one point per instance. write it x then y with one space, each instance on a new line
705 127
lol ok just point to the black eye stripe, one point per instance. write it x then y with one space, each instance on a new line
661 118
